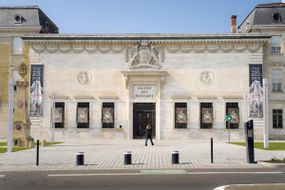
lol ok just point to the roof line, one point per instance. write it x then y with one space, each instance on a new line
20 7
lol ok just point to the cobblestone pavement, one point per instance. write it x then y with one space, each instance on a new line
110 155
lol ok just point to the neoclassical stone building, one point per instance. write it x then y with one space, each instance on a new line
111 86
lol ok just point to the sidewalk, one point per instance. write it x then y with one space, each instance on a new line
103 154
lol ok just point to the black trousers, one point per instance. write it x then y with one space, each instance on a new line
150 138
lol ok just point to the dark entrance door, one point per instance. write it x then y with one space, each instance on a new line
144 113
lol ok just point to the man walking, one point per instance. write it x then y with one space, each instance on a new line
148 134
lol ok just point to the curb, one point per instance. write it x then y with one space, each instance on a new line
266 186
272 165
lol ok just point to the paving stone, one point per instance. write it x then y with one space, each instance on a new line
109 155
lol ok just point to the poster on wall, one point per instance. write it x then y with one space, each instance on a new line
234 112
36 90
255 91
82 115
108 115
181 115
207 115
58 115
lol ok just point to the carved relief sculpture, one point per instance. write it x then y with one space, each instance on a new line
144 55
206 78
83 78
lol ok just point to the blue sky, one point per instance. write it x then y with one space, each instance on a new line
143 16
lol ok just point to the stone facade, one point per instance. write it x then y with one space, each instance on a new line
191 69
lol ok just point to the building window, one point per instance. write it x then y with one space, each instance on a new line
83 115
108 115
206 115
276 80
233 110
277 18
180 115
277 118
59 109
17 45
276 42
18 19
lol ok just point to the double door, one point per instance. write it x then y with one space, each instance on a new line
143 114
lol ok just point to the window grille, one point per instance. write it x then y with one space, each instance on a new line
83 115
232 109
59 112
180 115
206 115
108 115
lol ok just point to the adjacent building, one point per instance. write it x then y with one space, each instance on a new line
270 19
16 22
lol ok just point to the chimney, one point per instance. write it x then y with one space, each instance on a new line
234 24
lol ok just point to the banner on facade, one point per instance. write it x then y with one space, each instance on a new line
255 91
255 73
36 90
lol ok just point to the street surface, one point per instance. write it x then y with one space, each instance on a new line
156 179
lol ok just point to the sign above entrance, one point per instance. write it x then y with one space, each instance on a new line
144 91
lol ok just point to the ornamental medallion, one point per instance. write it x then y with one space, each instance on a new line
83 78
206 78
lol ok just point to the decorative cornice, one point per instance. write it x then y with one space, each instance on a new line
213 48
158 46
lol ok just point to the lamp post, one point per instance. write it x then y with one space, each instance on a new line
52 121
10 114
265 114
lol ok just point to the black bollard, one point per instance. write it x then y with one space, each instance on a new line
175 157
212 153
128 158
38 151
80 158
